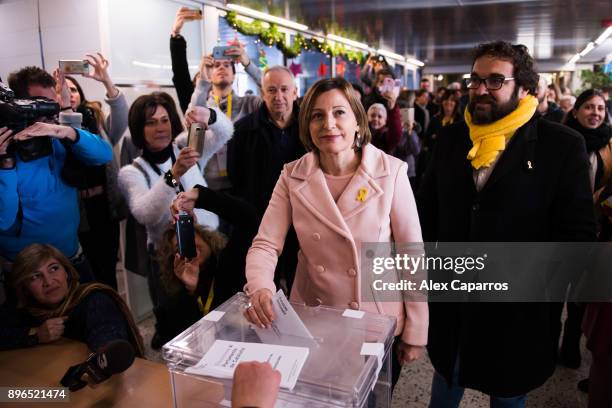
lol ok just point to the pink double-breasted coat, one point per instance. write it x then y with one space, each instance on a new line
376 206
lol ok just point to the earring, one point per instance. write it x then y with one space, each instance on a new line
357 143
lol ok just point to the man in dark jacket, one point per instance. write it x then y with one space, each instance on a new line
503 176
263 143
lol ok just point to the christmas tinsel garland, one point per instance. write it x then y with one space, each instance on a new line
269 34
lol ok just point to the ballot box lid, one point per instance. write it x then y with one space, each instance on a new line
338 368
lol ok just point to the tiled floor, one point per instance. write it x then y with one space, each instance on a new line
413 388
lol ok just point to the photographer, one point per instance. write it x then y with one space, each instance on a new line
36 204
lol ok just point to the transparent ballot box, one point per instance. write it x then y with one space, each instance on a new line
340 371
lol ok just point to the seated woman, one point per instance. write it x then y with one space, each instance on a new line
343 193
52 304
217 272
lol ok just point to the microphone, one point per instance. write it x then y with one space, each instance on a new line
115 357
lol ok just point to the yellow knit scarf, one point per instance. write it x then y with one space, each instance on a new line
490 139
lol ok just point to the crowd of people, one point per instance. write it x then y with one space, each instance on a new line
284 193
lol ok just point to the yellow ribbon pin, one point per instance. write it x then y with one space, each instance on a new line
363 192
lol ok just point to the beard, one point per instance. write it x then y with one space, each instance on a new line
496 110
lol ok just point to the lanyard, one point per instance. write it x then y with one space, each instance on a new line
229 105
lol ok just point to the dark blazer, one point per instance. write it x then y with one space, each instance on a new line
254 164
538 191
252 158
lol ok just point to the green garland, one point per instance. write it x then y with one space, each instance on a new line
269 35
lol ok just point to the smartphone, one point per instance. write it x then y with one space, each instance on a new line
407 115
219 52
185 236
74 67
195 139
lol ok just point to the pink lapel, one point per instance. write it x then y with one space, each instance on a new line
360 193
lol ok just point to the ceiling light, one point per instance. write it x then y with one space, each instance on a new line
267 17
346 41
467 76
574 59
587 49
415 61
391 55
604 35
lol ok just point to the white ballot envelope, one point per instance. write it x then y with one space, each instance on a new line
287 323
221 360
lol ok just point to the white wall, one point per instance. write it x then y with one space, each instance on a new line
69 30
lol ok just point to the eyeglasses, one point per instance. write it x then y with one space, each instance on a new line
492 83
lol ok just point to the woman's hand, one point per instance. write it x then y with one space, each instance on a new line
259 312
61 89
390 98
407 353
47 129
184 201
51 329
100 74
197 114
187 271
186 159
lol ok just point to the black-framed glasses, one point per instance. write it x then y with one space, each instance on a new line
492 83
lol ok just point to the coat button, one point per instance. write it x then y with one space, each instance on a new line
318 301
354 305
320 269
316 236
352 272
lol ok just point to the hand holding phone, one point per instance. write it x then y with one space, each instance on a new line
74 67
219 52
195 139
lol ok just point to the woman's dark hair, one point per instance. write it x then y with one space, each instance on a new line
524 72
587 96
452 95
144 107
95 107
320 87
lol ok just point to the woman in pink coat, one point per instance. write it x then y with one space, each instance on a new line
343 193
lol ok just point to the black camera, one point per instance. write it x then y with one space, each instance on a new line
18 114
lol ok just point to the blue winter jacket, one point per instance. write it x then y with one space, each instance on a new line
36 205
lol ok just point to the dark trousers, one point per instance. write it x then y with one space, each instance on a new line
101 240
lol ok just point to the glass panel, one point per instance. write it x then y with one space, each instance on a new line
312 65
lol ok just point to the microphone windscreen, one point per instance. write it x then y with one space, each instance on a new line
115 357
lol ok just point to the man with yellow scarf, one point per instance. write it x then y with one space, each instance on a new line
504 175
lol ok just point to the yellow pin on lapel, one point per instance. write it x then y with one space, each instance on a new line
363 192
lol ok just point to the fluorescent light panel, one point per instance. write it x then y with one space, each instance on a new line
391 55
604 36
574 59
415 61
587 49
268 17
346 41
